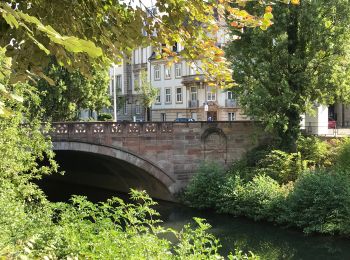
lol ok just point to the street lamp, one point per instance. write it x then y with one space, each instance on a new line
114 94
206 108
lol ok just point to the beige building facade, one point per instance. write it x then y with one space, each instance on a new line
183 93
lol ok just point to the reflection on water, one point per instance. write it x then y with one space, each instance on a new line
263 239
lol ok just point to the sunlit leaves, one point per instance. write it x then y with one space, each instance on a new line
303 58
16 18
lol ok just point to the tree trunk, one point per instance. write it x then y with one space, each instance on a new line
290 136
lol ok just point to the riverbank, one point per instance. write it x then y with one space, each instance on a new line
262 238
309 190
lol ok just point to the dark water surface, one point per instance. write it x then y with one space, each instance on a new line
264 239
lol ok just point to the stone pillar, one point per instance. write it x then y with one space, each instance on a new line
318 122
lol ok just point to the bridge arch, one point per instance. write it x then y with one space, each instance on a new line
155 173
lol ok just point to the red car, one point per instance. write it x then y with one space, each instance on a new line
332 124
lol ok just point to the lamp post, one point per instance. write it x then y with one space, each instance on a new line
206 108
114 95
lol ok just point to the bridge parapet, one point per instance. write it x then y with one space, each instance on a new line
177 149
62 129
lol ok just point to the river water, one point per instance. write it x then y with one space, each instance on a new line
264 239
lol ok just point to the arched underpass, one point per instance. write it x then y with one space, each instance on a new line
102 171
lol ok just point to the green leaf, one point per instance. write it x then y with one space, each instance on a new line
10 19
16 97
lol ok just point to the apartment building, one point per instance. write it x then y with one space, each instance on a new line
125 78
184 93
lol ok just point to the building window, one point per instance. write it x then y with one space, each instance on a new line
211 94
192 68
163 117
125 108
167 72
136 82
111 87
194 115
156 72
158 96
118 80
137 108
178 70
167 95
179 95
229 95
193 93
231 116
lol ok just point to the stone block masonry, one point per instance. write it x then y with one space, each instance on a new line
170 152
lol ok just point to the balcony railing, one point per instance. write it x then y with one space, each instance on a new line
139 66
231 103
193 103
192 79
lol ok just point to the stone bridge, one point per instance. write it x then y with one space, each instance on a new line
159 157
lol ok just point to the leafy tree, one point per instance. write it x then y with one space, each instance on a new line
112 27
302 60
102 32
148 93
72 92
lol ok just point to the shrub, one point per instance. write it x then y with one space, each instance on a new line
314 151
203 190
281 166
342 158
108 230
104 117
260 198
228 197
246 167
320 202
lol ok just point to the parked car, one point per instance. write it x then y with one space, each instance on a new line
332 123
184 119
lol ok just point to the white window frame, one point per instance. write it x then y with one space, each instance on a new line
231 116
125 107
211 95
137 108
167 95
230 93
163 117
136 82
179 95
158 98
194 93
193 69
178 70
157 72
167 72
118 83
111 86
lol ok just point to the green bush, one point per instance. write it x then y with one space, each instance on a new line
108 230
342 158
203 190
315 151
229 194
260 199
104 117
320 202
281 166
